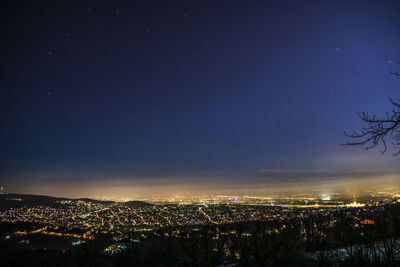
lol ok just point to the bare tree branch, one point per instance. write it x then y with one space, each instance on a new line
379 131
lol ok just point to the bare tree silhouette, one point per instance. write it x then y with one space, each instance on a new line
377 131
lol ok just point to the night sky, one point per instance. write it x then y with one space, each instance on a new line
135 97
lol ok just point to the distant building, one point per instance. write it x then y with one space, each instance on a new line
367 222
2 191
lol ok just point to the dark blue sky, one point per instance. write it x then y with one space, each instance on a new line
193 90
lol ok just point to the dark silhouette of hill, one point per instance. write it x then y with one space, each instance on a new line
21 200
137 204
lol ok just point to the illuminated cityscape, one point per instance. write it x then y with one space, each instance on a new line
91 217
